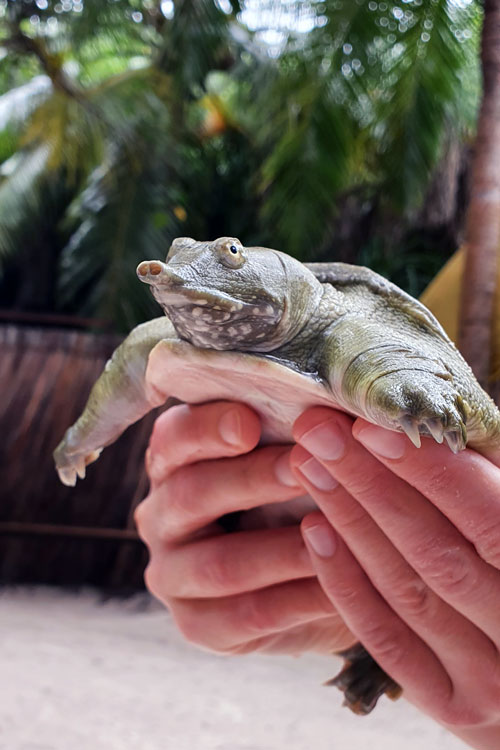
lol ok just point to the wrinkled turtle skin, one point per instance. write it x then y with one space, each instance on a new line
255 325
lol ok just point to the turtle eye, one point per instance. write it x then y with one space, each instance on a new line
232 255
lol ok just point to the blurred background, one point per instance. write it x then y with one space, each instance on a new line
335 130
332 130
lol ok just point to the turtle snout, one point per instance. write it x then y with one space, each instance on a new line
149 268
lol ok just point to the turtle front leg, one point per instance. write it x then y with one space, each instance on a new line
420 403
389 381
119 397
362 681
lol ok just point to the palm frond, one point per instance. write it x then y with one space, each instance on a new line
30 197
125 215
423 103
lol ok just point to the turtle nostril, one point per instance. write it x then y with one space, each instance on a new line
154 268
142 269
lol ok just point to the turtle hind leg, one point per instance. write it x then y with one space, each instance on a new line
362 681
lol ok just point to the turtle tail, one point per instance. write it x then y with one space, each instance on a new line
363 681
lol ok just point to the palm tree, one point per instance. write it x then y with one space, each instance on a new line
482 239
143 121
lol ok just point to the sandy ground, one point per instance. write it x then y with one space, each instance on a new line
77 673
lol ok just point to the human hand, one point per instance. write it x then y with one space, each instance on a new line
407 548
229 592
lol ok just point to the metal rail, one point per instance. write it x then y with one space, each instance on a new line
18 528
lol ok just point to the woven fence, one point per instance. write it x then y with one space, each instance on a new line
50 533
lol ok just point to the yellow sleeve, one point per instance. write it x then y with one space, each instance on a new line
443 298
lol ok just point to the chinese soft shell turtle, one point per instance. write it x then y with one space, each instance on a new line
255 325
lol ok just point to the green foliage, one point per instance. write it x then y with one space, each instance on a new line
131 122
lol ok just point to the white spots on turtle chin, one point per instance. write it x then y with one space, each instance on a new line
232 331
196 312
260 336
202 302
246 328
267 311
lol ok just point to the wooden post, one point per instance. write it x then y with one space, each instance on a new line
482 234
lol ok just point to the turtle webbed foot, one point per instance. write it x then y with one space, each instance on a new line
422 403
362 681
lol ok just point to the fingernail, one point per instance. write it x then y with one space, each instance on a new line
385 443
325 441
230 427
322 539
318 475
283 471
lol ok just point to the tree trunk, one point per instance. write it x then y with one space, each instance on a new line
482 233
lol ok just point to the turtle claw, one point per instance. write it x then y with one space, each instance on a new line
69 466
435 428
67 476
410 427
444 422
455 440
80 467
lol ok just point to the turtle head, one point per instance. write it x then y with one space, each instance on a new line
221 295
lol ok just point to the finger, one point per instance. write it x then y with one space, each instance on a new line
233 563
196 495
327 635
465 487
187 433
462 647
432 545
223 624
393 645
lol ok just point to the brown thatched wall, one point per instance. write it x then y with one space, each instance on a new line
46 529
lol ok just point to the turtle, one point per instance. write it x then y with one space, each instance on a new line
256 325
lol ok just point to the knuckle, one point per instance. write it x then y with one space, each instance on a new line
217 573
139 514
165 426
250 480
348 595
153 579
486 543
356 524
257 615
413 598
439 481
448 568
180 504
196 628
144 520
388 644
370 484
190 624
